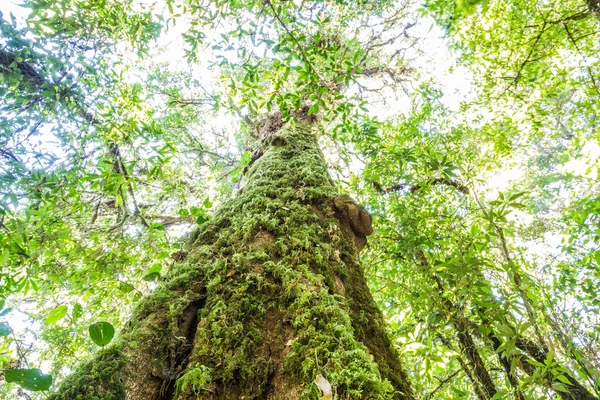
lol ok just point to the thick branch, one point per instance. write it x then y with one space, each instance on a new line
412 189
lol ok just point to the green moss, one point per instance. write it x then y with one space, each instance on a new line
266 267
195 379
291 275
98 379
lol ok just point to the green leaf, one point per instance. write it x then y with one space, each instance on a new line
5 311
30 379
499 395
153 273
5 329
559 387
548 360
56 314
101 333
125 287
4 257
77 311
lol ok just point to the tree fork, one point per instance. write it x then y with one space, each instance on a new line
270 297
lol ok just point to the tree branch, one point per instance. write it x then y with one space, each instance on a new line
412 189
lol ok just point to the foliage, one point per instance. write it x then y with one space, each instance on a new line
101 333
485 258
196 378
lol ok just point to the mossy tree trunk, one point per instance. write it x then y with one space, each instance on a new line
270 299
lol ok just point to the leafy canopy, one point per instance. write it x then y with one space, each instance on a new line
122 125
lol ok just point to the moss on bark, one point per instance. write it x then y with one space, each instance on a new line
270 295
102 373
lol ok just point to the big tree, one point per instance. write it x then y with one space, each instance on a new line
178 172
268 300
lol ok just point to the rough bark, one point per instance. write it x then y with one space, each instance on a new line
270 296
479 369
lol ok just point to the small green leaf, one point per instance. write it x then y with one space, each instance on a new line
56 314
102 333
77 311
499 395
4 257
5 311
30 379
153 273
125 287
548 360
559 387
5 329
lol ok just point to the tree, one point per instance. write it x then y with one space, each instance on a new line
270 299
488 286
474 333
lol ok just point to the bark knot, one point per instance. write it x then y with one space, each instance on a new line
355 217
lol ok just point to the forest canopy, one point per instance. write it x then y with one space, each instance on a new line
467 129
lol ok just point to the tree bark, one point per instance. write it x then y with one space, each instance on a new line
270 299
479 369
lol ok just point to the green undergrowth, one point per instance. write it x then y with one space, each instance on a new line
194 379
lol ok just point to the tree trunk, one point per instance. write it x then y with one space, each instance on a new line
479 369
270 302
